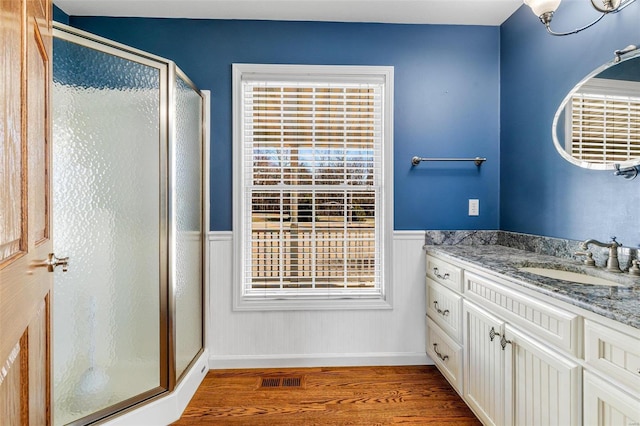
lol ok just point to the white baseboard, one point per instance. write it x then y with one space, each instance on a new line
318 360
168 409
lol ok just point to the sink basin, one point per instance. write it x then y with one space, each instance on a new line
569 276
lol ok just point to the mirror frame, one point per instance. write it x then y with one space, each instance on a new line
561 109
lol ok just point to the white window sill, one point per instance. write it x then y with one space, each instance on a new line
300 304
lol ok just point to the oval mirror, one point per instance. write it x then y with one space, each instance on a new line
598 123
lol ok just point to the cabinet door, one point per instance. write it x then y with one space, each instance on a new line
484 365
606 405
542 385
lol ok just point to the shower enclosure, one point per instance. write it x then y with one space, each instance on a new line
128 212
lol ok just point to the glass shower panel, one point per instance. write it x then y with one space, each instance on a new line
107 201
188 222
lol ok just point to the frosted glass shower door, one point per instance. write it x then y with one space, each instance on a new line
187 211
109 151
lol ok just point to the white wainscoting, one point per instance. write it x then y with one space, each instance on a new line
240 339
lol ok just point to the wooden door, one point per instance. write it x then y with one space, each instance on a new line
25 233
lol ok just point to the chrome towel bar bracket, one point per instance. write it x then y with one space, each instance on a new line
627 172
478 160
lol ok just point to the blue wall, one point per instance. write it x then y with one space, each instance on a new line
540 192
60 16
446 99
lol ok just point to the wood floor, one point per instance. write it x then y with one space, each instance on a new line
416 395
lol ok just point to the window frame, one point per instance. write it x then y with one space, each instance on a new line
242 302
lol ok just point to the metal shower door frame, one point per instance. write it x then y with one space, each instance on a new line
167 105
174 73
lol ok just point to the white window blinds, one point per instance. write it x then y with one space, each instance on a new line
312 186
605 128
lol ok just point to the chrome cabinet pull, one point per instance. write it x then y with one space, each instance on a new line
493 333
504 342
442 277
442 357
440 311
53 262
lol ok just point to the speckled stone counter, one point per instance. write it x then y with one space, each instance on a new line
618 303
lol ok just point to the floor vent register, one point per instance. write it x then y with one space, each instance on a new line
280 382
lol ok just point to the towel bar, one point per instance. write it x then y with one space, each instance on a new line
478 160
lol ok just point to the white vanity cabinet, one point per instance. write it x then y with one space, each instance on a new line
529 347
511 378
520 354
612 376
444 319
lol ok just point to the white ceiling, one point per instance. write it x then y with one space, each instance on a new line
460 12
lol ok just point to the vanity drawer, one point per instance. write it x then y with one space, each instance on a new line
613 353
445 273
445 308
446 354
548 323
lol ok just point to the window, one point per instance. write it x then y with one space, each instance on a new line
313 200
604 124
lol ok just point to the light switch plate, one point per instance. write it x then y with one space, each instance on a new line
474 207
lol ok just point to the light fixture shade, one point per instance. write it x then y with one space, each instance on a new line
541 7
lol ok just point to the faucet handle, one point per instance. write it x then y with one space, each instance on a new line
613 241
589 260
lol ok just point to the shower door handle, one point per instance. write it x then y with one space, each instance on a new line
53 262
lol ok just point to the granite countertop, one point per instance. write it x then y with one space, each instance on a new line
618 303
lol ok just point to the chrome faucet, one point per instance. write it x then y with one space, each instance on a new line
612 262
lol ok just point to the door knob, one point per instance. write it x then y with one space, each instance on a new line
53 262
